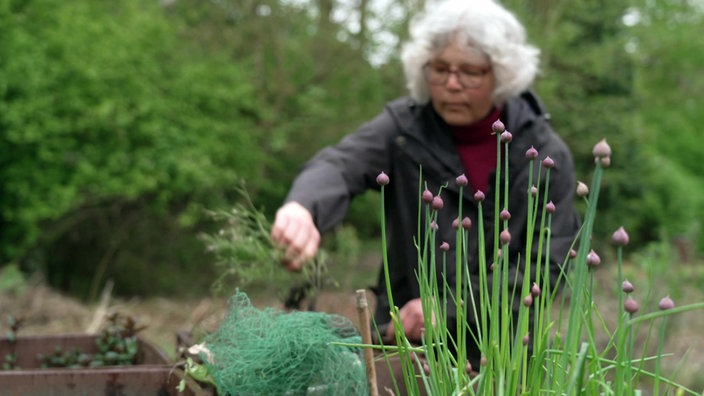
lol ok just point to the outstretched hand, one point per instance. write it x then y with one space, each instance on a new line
296 235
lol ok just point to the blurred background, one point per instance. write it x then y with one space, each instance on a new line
123 122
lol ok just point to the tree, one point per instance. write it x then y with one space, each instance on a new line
666 48
307 68
620 70
123 121
106 119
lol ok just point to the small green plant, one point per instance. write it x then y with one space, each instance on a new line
241 245
117 346
247 256
10 359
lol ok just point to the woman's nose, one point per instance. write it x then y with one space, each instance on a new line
453 81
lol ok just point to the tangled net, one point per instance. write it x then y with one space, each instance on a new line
271 352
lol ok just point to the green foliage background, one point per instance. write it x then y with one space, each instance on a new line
121 122
626 71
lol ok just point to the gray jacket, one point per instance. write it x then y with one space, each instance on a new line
408 140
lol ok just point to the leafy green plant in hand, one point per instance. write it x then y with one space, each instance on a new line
247 255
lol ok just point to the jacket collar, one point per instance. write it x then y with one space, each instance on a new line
419 122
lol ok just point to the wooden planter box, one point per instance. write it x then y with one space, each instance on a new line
152 375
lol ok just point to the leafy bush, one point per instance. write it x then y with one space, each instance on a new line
105 113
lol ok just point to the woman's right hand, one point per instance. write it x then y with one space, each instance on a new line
296 235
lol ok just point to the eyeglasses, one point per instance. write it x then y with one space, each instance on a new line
437 73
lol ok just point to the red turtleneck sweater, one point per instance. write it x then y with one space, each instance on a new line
476 146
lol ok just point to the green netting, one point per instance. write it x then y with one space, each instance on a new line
272 352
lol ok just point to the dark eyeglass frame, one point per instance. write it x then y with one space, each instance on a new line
469 77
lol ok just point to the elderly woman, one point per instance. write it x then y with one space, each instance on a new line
467 65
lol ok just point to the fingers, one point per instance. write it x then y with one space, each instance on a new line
412 321
411 316
390 331
295 233
302 245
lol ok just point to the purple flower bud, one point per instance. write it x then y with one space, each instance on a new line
483 361
548 163
535 290
504 215
468 367
444 246
505 237
604 161
427 196
630 306
479 196
627 287
434 225
601 149
582 189
456 223
506 137
499 253
620 237
466 223
498 126
528 300
462 180
531 153
437 203
491 267
593 259
573 253
534 191
550 207
666 303
526 339
382 179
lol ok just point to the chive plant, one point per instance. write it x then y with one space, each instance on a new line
555 353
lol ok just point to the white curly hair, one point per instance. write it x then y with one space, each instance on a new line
482 25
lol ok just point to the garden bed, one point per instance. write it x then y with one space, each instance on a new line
149 374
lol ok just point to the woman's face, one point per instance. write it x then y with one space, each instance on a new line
465 97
